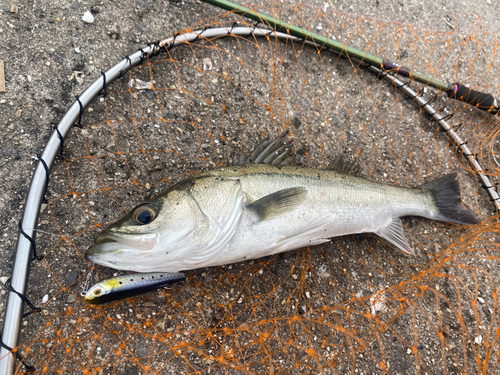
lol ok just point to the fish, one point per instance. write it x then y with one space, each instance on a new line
263 205
129 285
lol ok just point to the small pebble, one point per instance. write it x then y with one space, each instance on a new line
45 298
88 17
71 278
139 84
207 64
14 8
71 298
78 77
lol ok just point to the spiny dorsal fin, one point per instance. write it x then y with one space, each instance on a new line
340 165
270 151
278 203
394 233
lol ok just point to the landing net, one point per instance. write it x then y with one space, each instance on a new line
355 305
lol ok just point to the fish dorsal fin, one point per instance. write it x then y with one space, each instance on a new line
341 165
278 203
394 233
270 151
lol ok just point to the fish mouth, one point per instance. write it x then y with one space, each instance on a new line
117 242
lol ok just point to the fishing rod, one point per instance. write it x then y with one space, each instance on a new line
481 100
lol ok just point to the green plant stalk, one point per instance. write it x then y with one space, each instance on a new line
322 41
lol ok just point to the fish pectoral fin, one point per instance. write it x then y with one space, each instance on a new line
394 233
278 203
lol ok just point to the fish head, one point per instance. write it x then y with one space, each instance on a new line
150 234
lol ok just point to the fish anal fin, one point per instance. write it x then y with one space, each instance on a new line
341 165
394 233
278 203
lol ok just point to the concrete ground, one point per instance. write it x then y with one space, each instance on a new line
43 43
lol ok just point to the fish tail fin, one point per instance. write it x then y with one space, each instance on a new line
446 192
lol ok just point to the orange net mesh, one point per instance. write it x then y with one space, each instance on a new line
356 304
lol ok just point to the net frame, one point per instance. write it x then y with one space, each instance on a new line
39 182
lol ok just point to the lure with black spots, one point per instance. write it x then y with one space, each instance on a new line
129 285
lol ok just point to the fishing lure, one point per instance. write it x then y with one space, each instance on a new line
129 285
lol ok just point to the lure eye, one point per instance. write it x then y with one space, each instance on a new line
97 292
144 214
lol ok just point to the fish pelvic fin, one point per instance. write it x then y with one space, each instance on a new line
310 235
277 203
446 193
394 233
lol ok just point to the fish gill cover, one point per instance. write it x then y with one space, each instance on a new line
356 304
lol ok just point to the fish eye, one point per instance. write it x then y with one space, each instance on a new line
97 292
144 214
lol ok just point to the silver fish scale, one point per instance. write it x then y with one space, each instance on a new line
336 205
